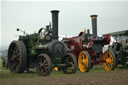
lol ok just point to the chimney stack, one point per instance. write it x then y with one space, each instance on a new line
94 25
55 23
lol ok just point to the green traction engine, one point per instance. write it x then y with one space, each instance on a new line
41 50
120 47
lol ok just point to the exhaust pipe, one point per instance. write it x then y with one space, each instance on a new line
55 24
94 25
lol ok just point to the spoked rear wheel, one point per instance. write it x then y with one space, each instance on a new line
84 61
71 62
109 60
43 65
17 57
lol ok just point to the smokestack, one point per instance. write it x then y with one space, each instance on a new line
94 25
55 23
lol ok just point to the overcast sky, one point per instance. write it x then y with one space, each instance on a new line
73 17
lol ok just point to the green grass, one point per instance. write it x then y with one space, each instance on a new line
5 74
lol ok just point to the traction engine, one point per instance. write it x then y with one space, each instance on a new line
41 50
88 49
120 48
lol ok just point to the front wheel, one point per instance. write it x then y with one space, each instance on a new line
84 61
109 60
71 64
43 65
125 61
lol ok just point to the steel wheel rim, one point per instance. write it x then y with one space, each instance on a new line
42 64
14 57
83 61
109 61
70 62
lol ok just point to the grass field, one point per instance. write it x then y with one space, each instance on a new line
5 74
96 76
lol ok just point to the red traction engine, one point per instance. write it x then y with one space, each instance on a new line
88 48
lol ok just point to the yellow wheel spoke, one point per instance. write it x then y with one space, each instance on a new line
83 62
108 57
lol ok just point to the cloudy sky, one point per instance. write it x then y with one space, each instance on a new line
73 17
